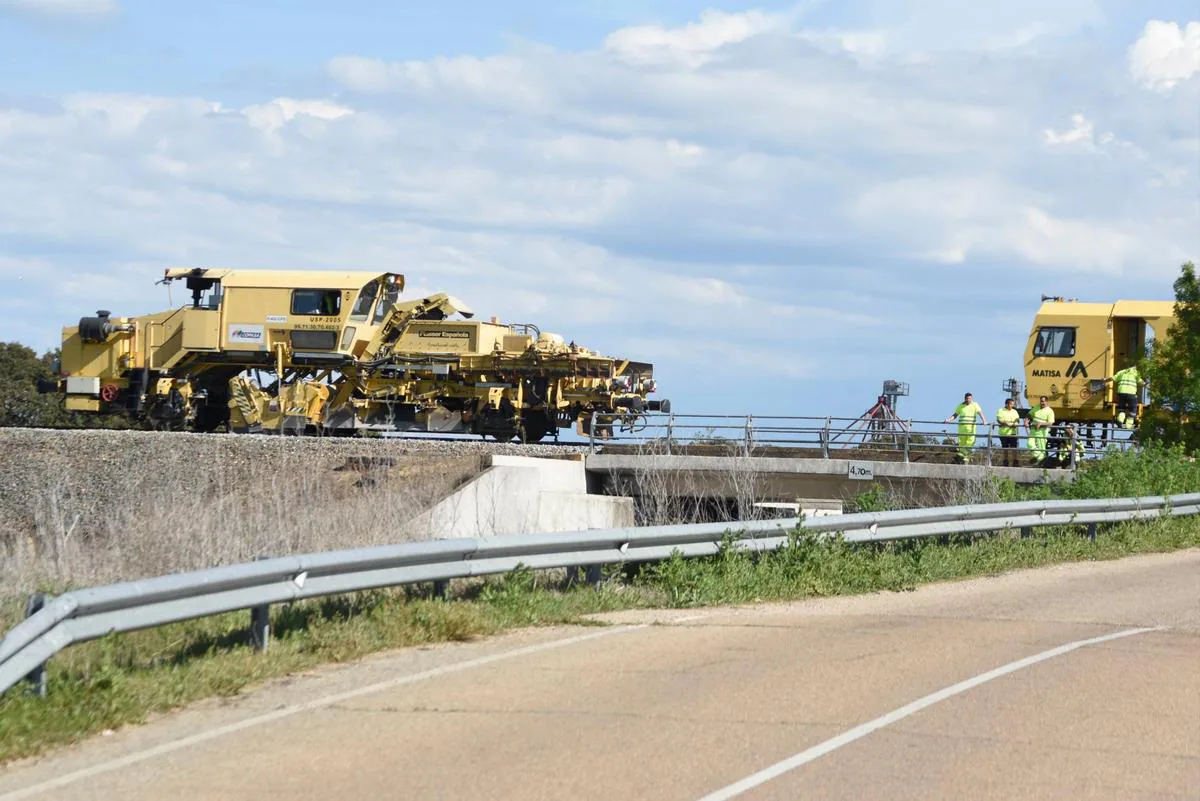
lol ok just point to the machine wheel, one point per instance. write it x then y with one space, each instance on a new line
535 426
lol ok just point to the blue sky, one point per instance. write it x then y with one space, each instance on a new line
781 205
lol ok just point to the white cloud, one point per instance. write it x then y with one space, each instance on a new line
62 9
1082 132
1165 55
273 115
693 44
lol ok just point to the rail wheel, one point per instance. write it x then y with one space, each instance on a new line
534 427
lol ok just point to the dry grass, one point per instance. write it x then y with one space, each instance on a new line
182 510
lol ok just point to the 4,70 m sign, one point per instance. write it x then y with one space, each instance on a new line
861 471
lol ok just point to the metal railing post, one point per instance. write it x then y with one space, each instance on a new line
907 438
989 444
825 439
592 434
260 627
37 676
260 620
670 431
749 434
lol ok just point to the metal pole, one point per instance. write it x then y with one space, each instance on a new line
989 444
260 627
825 439
592 434
670 431
907 437
37 676
260 620
749 434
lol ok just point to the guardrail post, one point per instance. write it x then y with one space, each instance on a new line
260 619
825 439
260 627
37 676
441 589
1091 531
1026 532
593 575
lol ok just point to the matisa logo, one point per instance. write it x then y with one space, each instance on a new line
246 334
1075 370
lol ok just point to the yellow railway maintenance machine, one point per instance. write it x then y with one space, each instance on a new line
1075 348
343 353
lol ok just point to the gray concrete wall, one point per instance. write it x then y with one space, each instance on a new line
524 495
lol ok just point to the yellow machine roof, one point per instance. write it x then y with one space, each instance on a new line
283 279
1148 309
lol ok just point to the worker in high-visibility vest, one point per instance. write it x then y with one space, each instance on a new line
1039 423
966 414
1007 420
1070 441
1127 382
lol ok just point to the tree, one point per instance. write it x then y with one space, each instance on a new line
22 405
1172 370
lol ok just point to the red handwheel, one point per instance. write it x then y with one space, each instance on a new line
108 393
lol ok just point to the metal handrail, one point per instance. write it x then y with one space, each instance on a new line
830 434
83 615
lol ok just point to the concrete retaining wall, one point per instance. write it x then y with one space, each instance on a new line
520 495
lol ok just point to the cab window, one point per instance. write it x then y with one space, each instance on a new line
390 294
1055 341
362 306
323 302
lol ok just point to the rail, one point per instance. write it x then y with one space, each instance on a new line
58 622
1062 445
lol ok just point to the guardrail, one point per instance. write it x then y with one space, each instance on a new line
829 437
83 615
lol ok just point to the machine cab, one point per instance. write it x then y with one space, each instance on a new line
1074 347
322 316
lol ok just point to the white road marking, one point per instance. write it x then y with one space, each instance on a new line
858 732
329 700
691 618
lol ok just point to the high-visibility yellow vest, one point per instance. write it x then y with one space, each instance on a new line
1008 419
967 412
1127 381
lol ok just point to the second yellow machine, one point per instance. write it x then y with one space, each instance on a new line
341 352
1076 350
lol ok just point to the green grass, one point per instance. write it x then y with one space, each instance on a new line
124 679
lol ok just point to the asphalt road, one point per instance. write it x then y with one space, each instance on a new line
1080 681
